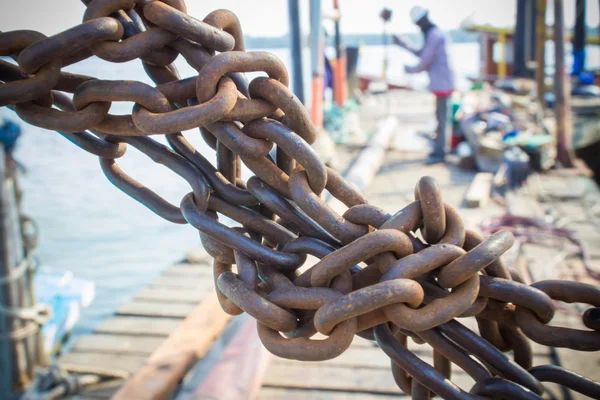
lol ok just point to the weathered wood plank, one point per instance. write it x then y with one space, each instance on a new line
354 357
152 309
172 281
171 295
479 191
119 363
118 344
313 376
239 371
197 270
272 393
142 326
169 363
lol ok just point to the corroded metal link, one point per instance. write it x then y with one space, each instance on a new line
496 268
293 145
363 248
367 214
188 27
564 377
301 298
229 22
140 45
455 354
237 61
188 117
491 356
418 369
220 232
248 300
15 41
161 155
219 268
517 293
296 115
591 318
437 311
367 299
432 207
455 228
502 388
429 259
62 44
62 121
555 336
30 88
251 220
376 278
225 189
319 211
84 140
238 142
287 211
475 260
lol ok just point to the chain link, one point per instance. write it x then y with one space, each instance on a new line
375 278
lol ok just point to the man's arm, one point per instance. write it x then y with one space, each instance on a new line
408 46
427 54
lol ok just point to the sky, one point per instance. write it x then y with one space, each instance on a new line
270 18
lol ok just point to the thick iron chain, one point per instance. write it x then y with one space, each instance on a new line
376 277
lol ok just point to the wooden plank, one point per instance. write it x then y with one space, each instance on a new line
313 376
479 191
198 270
168 364
170 295
142 326
273 393
354 357
118 344
172 281
152 309
238 372
118 363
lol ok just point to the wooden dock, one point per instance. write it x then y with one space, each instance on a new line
171 323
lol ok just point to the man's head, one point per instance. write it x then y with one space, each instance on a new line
419 15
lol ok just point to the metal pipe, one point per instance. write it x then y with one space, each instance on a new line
296 49
562 90
317 63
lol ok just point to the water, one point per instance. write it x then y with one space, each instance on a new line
91 228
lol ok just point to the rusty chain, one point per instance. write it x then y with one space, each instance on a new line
376 277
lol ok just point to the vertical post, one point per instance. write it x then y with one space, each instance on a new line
502 62
317 63
520 40
579 38
17 354
296 48
385 52
540 51
562 90
339 82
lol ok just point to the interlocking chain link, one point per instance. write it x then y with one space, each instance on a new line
376 277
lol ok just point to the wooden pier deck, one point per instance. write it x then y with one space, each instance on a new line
152 331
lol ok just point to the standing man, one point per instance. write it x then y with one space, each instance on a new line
434 59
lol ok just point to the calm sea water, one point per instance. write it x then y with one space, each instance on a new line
91 228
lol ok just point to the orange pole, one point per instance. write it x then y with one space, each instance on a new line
316 111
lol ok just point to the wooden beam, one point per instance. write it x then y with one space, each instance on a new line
168 364
479 191
540 52
238 373
562 90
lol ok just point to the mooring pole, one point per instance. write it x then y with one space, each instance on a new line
540 52
562 90
317 63
296 49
